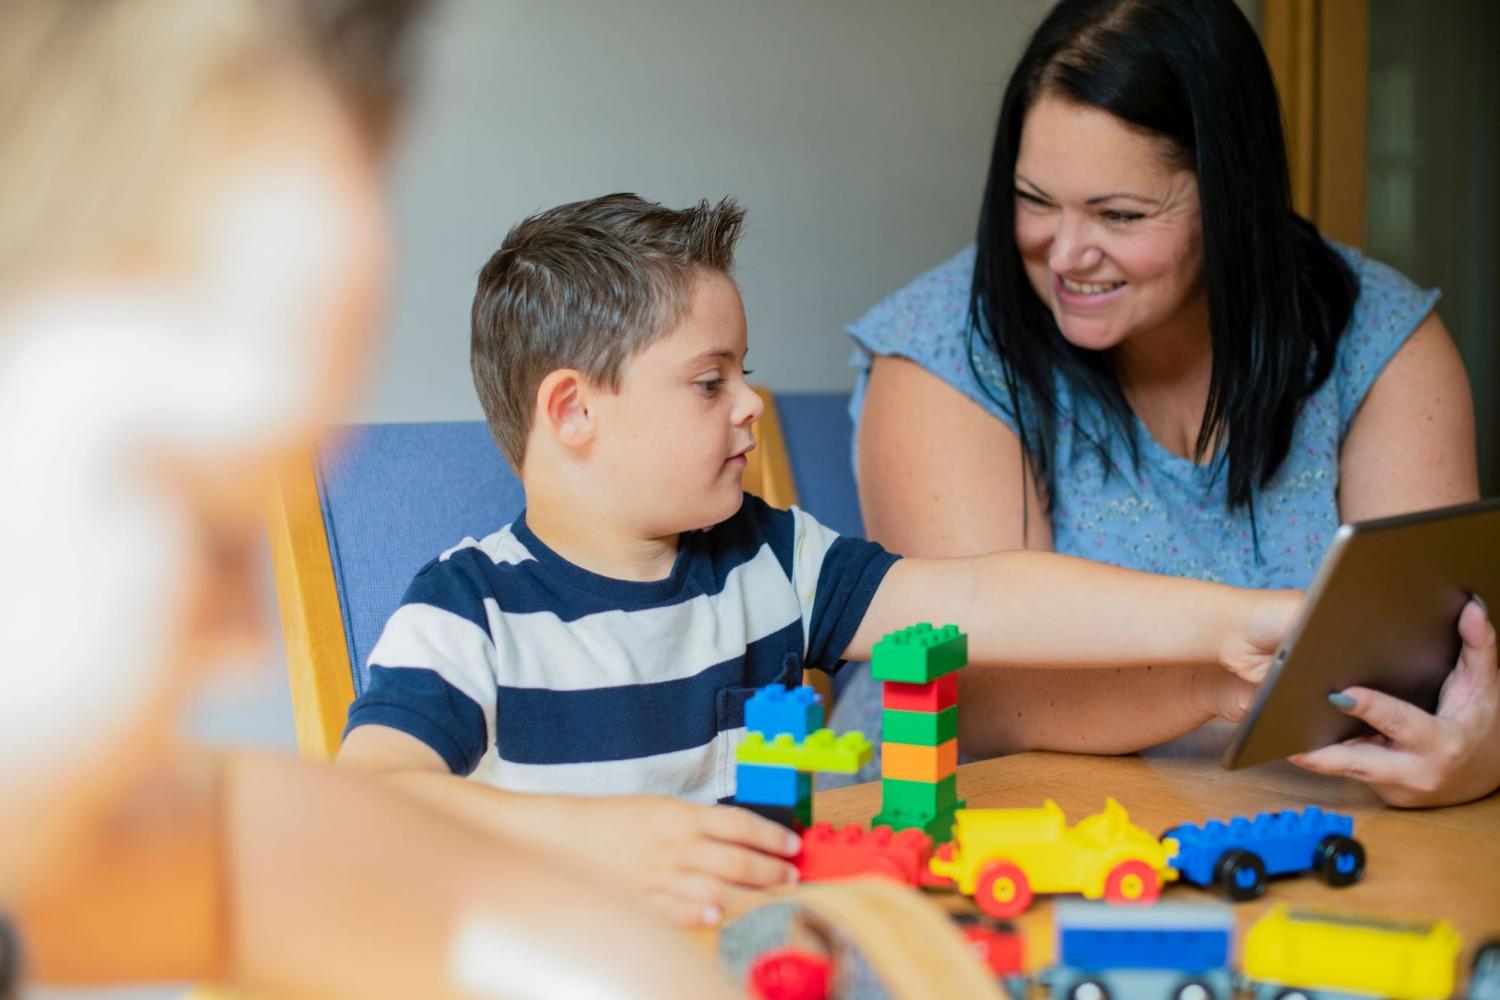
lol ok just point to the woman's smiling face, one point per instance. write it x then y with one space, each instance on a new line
1107 223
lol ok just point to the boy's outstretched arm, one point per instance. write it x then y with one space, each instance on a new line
691 863
1041 609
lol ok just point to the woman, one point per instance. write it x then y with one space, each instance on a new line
1148 359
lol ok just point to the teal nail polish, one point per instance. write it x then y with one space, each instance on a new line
1342 701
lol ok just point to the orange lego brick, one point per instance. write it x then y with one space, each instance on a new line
911 762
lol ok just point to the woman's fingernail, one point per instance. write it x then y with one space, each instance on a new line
710 915
1341 701
793 844
792 876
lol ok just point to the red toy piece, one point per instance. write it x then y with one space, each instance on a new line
934 696
829 854
994 942
788 974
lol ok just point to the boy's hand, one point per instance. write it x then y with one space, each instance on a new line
689 862
1261 620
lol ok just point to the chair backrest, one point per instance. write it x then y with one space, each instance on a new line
370 509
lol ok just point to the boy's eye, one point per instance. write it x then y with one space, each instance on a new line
710 386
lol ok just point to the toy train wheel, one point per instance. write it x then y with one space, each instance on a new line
1486 968
1132 882
1088 989
1194 989
1340 860
1240 875
1002 891
1293 995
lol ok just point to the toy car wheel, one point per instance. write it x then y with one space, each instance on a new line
1132 882
1088 989
1194 989
1002 890
1240 875
1340 860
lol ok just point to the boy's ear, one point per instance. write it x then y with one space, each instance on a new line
563 407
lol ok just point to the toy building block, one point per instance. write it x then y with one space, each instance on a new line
919 653
911 762
1167 950
1003 856
770 786
1285 951
924 728
938 826
775 709
998 945
821 751
919 796
851 851
1239 855
789 974
933 696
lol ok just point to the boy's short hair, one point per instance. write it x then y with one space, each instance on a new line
585 285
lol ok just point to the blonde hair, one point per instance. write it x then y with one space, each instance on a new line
103 101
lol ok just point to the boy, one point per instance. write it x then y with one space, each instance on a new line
605 642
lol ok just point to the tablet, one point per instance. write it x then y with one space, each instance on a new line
1382 612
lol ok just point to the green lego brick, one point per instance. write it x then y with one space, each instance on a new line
821 751
937 826
928 729
919 653
803 811
923 797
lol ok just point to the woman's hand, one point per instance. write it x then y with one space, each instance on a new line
1417 759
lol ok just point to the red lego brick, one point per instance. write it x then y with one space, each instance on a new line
933 696
829 854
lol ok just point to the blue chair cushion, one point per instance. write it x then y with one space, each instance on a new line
818 433
394 497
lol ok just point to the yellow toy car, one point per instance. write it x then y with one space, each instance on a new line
1296 953
1002 857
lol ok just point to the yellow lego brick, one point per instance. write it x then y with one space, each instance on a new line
913 762
821 751
1325 951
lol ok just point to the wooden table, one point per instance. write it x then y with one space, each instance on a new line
1425 863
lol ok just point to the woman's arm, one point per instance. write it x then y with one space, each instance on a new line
939 477
1411 447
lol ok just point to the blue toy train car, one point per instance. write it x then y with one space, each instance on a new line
1175 951
1238 856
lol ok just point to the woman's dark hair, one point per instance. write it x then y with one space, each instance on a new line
1192 73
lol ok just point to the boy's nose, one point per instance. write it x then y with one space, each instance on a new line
749 406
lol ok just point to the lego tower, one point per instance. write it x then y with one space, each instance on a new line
918 668
784 745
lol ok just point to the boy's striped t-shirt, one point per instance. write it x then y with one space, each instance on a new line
589 685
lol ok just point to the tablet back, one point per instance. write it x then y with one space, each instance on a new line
1383 613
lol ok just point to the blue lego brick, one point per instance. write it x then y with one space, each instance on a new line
1184 937
1284 841
767 785
775 709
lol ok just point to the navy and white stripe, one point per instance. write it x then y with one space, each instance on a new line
590 685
